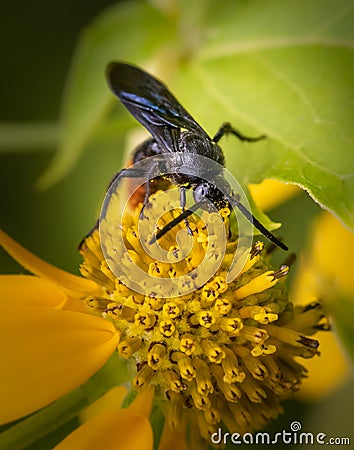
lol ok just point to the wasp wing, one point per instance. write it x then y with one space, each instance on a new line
152 104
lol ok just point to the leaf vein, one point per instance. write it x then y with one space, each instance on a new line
214 91
255 45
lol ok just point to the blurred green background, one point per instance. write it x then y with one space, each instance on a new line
37 43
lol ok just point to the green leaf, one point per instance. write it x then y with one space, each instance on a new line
330 417
285 70
341 307
127 31
280 68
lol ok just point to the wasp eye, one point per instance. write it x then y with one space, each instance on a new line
200 192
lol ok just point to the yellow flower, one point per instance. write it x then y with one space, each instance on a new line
325 272
49 346
45 335
224 353
271 193
118 429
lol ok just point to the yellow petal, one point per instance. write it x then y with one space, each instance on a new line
143 402
327 372
332 252
111 401
46 353
272 193
113 430
172 439
328 263
39 267
29 291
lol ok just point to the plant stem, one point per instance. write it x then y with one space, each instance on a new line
27 136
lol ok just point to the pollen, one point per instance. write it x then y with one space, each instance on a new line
223 353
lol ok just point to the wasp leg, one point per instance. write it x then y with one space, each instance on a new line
183 201
126 173
129 172
146 197
148 179
227 128
176 221
250 217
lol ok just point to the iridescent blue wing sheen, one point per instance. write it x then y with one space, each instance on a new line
152 104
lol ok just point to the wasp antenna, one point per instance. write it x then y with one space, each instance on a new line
176 221
250 217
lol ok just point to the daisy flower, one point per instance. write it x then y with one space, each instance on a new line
223 355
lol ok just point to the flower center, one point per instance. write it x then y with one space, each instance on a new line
216 353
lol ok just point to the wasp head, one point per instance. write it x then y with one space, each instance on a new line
206 190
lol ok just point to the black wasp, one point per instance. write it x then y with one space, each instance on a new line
174 131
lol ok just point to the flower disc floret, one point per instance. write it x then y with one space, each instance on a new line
222 353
